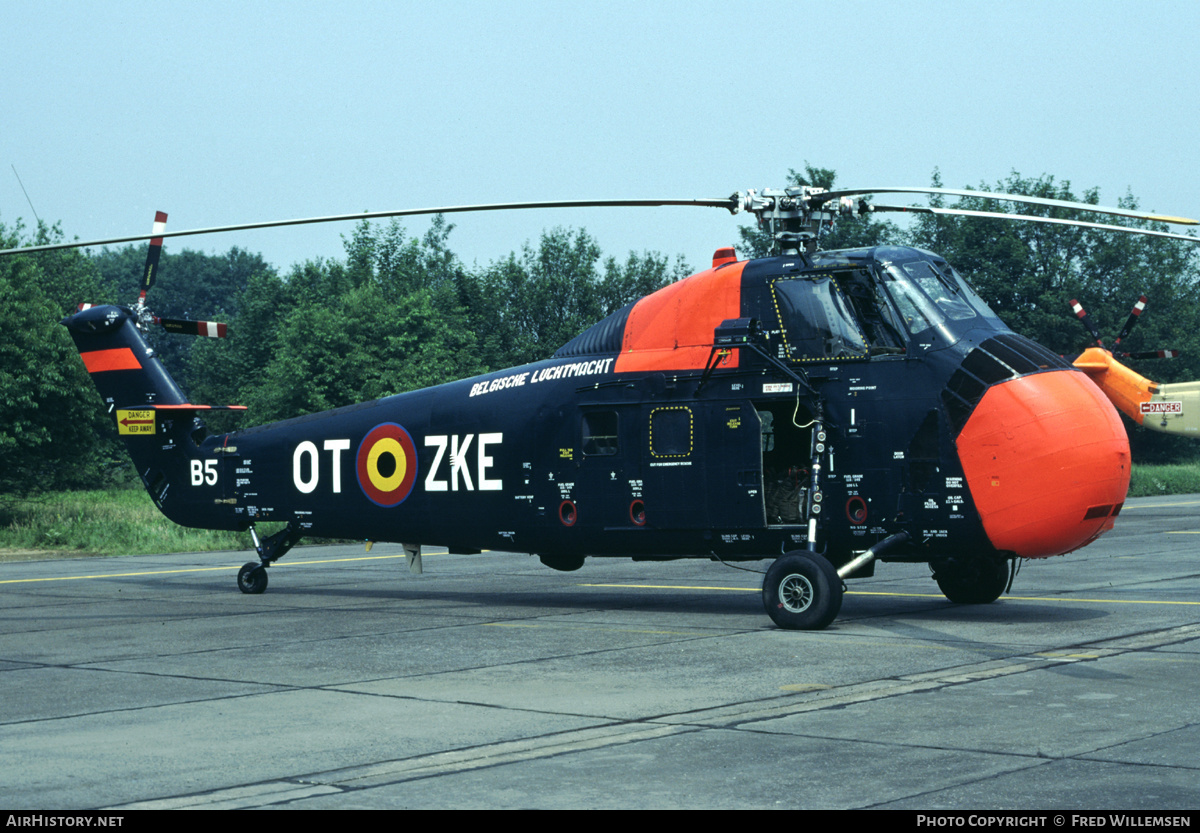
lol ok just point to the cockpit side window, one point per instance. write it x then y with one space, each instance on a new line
816 321
876 319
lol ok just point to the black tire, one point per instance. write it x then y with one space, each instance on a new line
563 563
252 578
802 591
978 581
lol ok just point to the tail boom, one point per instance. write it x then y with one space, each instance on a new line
1169 408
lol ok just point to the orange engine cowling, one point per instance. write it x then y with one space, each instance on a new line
1047 461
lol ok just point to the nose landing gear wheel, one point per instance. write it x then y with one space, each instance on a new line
802 591
979 581
252 578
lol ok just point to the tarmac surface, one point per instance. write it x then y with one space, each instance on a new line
491 681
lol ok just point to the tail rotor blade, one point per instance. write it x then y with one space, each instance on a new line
186 326
150 273
1082 315
1133 318
1151 354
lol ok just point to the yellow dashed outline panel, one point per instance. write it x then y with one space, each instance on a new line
783 325
691 431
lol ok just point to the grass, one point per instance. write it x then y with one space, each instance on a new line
1174 479
112 522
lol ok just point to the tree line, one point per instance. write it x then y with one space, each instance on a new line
399 312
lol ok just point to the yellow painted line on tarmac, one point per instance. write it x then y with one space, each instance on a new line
892 593
1127 507
115 575
674 587
205 569
889 593
1031 598
613 586
1097 601
589 628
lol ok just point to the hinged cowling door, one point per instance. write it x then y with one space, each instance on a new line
703 466
733 465
673 471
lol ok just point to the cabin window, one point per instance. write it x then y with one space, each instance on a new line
671 431
816 321
600 434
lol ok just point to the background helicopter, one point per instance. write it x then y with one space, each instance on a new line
1172 408
828 408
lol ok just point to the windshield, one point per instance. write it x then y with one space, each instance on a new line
938 288
967 292
918 312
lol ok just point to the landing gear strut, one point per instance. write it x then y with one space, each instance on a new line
252 578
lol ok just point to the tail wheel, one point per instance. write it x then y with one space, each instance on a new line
978 581
802 591
252 578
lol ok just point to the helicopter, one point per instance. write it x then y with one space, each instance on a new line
826 410
1172 408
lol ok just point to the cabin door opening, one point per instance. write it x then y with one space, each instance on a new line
786 442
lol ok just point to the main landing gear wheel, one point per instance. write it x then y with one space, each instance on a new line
252 578
802 591
978 581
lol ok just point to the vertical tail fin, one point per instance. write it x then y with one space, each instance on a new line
154 419
123 367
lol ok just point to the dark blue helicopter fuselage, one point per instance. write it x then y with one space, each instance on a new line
840 409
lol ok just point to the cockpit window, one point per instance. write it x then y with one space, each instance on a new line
918 312
815 320
967 292
940 289
876 318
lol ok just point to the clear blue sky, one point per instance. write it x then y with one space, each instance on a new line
228 112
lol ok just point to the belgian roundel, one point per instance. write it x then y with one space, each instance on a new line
387 464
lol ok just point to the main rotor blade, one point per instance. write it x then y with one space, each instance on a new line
956 192
1032 218
728 203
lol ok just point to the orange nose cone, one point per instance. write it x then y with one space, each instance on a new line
1047 461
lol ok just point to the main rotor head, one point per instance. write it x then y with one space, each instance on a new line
795 217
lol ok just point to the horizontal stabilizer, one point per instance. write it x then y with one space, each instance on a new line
143 419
